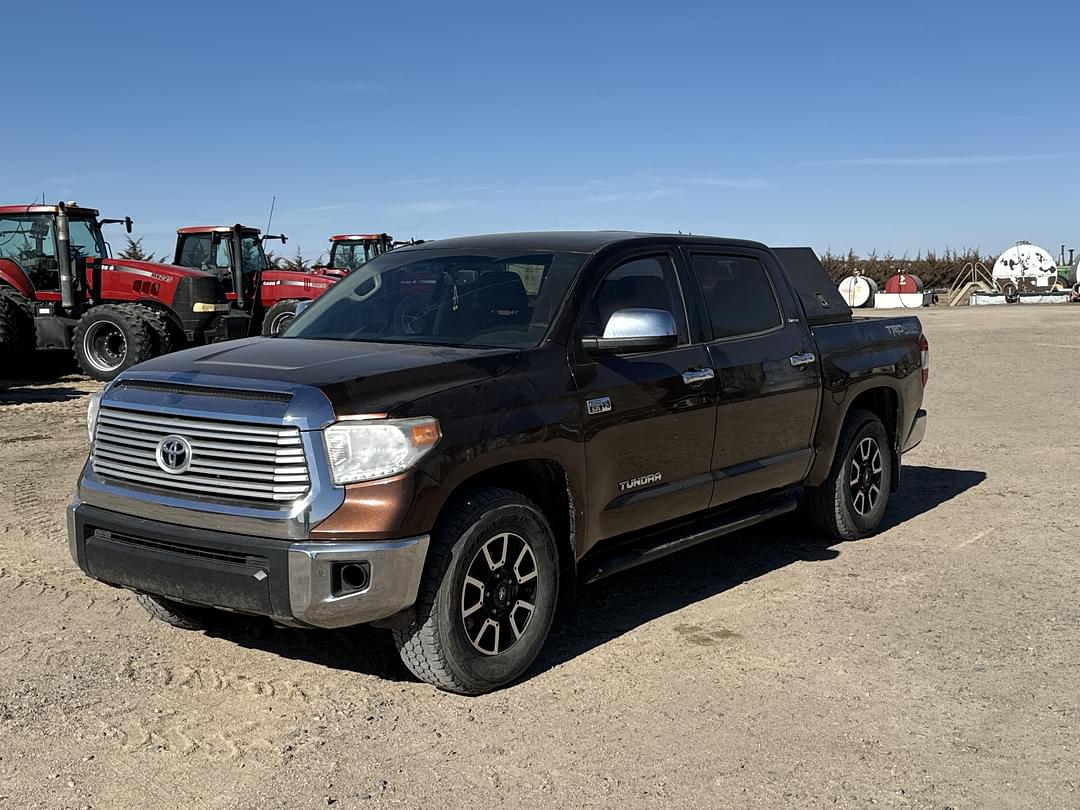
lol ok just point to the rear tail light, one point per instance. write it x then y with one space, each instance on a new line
924 350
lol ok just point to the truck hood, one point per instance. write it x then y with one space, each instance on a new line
357 378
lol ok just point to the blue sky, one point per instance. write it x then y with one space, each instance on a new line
895 126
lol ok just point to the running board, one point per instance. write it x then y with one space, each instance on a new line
655 545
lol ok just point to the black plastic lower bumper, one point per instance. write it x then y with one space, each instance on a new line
199 566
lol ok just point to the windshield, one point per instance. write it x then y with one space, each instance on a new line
29 241
501 300
86 239
351 255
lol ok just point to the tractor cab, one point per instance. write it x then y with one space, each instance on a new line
213 248
349 252
30 236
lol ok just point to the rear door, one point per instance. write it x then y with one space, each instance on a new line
767 375
649 418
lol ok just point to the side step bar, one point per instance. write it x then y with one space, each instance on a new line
653 546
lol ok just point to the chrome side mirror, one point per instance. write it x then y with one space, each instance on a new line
635 330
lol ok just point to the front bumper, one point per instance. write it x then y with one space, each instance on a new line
292 583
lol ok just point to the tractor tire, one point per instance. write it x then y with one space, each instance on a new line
163 334
110 338
487 597
17 334
851 502
278 317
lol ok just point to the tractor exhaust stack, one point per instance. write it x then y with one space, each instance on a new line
238 265
63 257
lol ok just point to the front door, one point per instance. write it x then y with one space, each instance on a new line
767 377
649 418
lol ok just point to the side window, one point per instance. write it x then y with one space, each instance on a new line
646 283
738 295
195 250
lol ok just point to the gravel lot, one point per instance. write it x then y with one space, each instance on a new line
932 666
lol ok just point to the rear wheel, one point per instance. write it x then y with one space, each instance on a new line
17 334
278 317
851 502
110 338
488 595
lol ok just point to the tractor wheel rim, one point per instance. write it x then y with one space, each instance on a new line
865 475
281 322
105 346
498 596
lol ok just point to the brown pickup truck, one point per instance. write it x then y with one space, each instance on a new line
455 435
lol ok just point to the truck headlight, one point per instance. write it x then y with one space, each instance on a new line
92 407
368 449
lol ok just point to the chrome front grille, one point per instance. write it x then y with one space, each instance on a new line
228 460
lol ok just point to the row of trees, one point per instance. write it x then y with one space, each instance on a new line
934 269
134 250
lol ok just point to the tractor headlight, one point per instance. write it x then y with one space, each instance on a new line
365 450
92 408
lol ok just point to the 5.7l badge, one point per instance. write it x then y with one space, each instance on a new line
598 405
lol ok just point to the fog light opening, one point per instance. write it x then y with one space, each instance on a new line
351 577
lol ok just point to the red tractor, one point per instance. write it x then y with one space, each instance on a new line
267 295
350 251
60 289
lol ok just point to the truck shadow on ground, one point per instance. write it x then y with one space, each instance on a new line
612 607
38 381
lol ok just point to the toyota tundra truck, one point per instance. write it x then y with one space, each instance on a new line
563 407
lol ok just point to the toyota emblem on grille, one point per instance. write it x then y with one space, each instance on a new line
174 454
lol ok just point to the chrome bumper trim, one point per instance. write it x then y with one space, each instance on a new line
396 567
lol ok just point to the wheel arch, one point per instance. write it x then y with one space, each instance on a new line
880 399
547 484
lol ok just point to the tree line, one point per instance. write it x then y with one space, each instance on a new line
934 269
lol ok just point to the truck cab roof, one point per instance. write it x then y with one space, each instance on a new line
572 241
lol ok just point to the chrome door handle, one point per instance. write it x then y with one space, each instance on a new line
804 359
697 375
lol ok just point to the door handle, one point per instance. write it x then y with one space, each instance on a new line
802 359
696 376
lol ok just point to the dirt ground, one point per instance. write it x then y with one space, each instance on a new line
935 665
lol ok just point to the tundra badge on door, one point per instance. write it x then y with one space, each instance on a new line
641 481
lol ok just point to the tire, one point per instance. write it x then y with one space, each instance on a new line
279 316
110 338
469 639
177 614
848 509
17 334
162 333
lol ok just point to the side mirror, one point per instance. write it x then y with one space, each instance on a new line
300 307
128 222
635 330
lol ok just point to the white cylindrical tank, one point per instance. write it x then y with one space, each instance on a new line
1024 268
858 291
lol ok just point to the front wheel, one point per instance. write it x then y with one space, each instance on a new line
186 617
278 318
488 595
110 338
851 502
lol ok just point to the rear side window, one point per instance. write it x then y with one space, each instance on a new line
738 295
